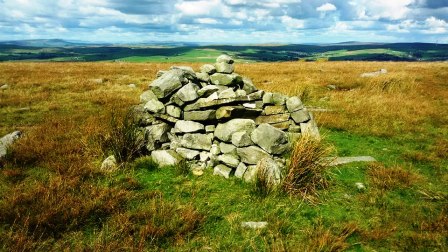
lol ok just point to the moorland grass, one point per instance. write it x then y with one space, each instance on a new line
53 196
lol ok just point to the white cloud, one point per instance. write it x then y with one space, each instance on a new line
326 7
206 21
436 26
389 9
197 8
292 22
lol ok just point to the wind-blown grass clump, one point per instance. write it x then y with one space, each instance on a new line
306 171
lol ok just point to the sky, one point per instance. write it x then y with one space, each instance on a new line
226 21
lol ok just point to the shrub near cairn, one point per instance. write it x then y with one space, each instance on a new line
218 119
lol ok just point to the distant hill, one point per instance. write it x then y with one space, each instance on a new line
61 50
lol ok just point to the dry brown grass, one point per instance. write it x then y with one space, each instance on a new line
387 178
330 239
305 173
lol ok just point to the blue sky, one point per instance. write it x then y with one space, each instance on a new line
226 21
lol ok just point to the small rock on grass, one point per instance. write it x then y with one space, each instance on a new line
109 164
254 225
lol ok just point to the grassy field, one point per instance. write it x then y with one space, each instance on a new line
53 195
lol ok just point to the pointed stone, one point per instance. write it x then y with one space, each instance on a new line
168 83
251 154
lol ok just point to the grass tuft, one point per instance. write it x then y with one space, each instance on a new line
391 178
306 171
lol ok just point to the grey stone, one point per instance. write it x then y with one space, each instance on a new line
188 92
224 131
229 160
251 154
188 126
271 170
228 93
146 96
165 157
160 73
187 71
210 128
156 135
215 150
250 105
270 139
273 110
204 115
206 103
197 141
204 77
4 87
132 85
173 111
109 164
227 148
310 128
281 125
240 93
204 156
187 153
225 79
222 170
248 86
279 99
223 67
240 170
294 128
210 89
166 118
176 100
250 174
254 225
155 106
272 118
141 116
241 139
268 98
168 83
345 160
300 116
360 186
224 58
294 137
208 68
7 140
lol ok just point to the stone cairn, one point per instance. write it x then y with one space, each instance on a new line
218 119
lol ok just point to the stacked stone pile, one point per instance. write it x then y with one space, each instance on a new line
218 119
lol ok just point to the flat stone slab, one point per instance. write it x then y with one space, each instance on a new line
345 160
209 104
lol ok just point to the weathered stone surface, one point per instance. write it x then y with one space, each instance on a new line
204 77
310 129
281 125
141 116
229 160
270 139
165 157
240 93
188 126
173 111
156 135
271 170
160 73
109 164
155 106
188 92
208 68
168 83
210 89
279 99
187 153
250 174
197 141
225 79
226 94
222 170
300 116
241 139
294 137
204 156
236 111
294 128
7 140
227 148
273 110
268 98
204 115
4 87
225 59
272 118
187 71
251 154
146 96
215 150
166 118
293 104
176 100
210 128
240 170
224 131
223 67
206 103
248 85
